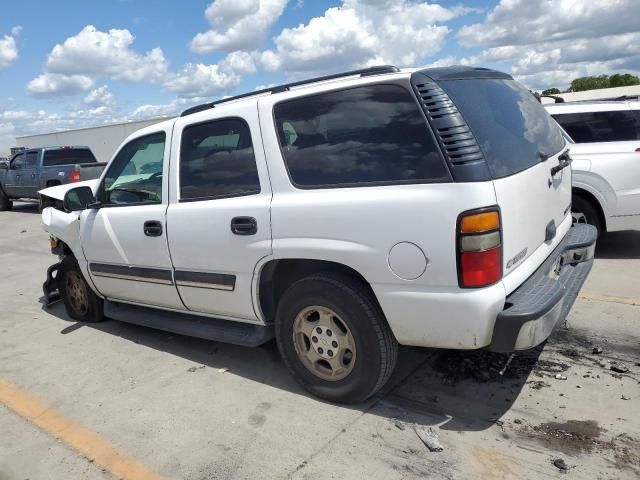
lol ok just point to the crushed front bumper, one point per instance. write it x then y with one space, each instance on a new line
536 308
50 287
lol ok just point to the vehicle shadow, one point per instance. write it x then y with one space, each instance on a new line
455 390
619 245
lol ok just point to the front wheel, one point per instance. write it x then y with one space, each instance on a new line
5 202
81 303
334 338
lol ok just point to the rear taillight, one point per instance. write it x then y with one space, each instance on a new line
479 247
74 176
638 149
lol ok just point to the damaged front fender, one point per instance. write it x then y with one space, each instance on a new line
64 226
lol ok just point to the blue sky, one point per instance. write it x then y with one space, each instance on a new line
70 64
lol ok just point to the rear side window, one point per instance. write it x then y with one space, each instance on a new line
217 160
588 127
366 135
511 127
67 156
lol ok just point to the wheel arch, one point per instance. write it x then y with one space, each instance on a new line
593 200
276 275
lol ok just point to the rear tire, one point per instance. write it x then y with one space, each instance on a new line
583 211
334 339
5 203
81 303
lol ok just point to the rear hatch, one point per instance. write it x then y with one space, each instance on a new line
521 145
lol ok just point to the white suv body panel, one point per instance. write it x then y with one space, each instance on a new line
203 227
609 171
355 227
524 224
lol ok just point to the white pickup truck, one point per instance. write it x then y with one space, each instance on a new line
604 142
342 215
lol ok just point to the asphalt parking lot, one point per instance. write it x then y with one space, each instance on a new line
115 400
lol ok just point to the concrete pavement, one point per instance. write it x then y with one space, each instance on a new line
188 408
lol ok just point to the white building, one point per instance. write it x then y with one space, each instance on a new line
103 141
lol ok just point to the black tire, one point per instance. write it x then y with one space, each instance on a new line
584 211
5 203
72 285
376 347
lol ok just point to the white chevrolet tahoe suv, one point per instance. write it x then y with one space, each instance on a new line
604 143
342 215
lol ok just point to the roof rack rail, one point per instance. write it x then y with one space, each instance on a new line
363 72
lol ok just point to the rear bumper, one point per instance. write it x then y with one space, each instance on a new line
536 308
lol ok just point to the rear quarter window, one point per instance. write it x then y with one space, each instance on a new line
589 127
217 161
371 135
512 128
67 156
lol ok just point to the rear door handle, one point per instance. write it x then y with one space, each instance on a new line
152 228
244 226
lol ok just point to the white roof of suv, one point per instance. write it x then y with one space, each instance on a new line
592 106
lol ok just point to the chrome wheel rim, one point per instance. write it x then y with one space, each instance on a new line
324 343
77 293
578 217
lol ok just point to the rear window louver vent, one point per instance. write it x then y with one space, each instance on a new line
454 135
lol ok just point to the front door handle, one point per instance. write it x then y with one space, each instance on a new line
244 226
152 228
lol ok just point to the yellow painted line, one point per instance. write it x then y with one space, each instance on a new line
84 441
609 298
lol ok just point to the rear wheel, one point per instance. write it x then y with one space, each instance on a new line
81 303
334 338
583 211
5 203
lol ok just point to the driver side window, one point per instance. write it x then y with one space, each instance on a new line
18 162
135 176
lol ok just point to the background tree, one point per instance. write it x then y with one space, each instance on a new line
589 83
623 80
551 91
603 81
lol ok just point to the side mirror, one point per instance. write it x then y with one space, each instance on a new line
78 198
4 165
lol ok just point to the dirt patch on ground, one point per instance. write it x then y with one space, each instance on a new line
571 437
585 436
627 453
484 366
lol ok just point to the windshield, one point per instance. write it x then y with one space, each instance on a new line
513 130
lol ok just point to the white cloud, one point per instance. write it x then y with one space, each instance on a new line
170 109
100 96
20 122
15 115
106 54
9 48
443 62
200 80
237 25
54 83
520 22
361 33
7 137
239 62
550 43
